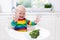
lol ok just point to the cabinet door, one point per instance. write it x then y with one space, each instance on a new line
57 27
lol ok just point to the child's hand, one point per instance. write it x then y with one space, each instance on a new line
15 19
37 19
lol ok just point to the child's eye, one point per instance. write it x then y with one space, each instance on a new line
23 13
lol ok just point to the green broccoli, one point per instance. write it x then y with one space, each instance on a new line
34 33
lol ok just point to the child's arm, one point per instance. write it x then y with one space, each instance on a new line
31 23
13 23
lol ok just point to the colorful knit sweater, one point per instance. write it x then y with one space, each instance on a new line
21 24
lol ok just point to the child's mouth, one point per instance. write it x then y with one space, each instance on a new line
21 17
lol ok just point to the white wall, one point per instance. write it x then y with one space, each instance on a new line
6 5
56 4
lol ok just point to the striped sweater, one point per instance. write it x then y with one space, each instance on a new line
21 24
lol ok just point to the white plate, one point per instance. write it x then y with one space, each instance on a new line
43 34
25 35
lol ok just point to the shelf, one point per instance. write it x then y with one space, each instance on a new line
43 13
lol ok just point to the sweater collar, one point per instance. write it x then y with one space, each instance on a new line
22 19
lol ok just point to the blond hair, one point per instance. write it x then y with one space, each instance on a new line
20 7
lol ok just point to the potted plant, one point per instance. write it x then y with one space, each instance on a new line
48 5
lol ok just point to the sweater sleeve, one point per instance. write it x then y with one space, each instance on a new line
13 23
31 23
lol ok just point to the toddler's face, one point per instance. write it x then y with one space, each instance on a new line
20 12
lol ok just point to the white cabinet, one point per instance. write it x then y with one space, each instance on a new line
57 27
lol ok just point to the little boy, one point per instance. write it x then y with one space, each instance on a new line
19 22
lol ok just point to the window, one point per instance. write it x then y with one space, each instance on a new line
29 3
26 3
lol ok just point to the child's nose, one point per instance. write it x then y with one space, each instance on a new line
22 15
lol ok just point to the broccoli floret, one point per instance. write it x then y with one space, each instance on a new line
34 33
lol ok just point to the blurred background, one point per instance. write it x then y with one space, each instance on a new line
48 10
41 5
